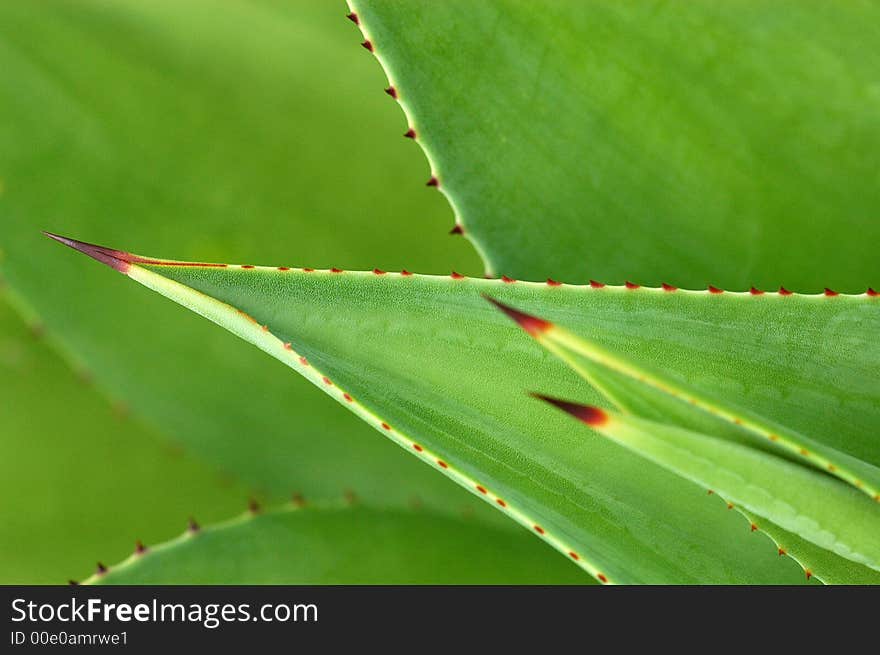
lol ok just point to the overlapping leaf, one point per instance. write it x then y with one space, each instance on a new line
817 508
687 142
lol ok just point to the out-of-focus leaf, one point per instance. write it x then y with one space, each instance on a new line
81 481
254 127
346 546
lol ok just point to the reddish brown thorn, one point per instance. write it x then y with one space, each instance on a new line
287 346
442 464
101 570
458 229
553 283
308 270
303 361
417 448
405 272
298 500
830 292
115 259
139 548
392 92
456 276
368 45
729 505
872 293
73 583
192 525
253 506
348 398
753 527
808 573
668 287
264 328
385 426
507 280
538 529
433 181
584 413
284 268
378 271
531 324
353 17
602 578
573 555
631 285
248 266
784 292
327 381
596 285
410 133
756 292
350 497
501 502
482 489
709 492
715 289
336 270
781 551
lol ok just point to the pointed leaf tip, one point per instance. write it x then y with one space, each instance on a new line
588 414
115 259
531 324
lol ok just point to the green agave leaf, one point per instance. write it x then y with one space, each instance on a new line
684 142
809 503
80 479
344 545
593 361
825 565
429 363
176 117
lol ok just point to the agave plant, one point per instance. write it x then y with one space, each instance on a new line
673 205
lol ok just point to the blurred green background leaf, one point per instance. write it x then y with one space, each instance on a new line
81 480
212 130
347 545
